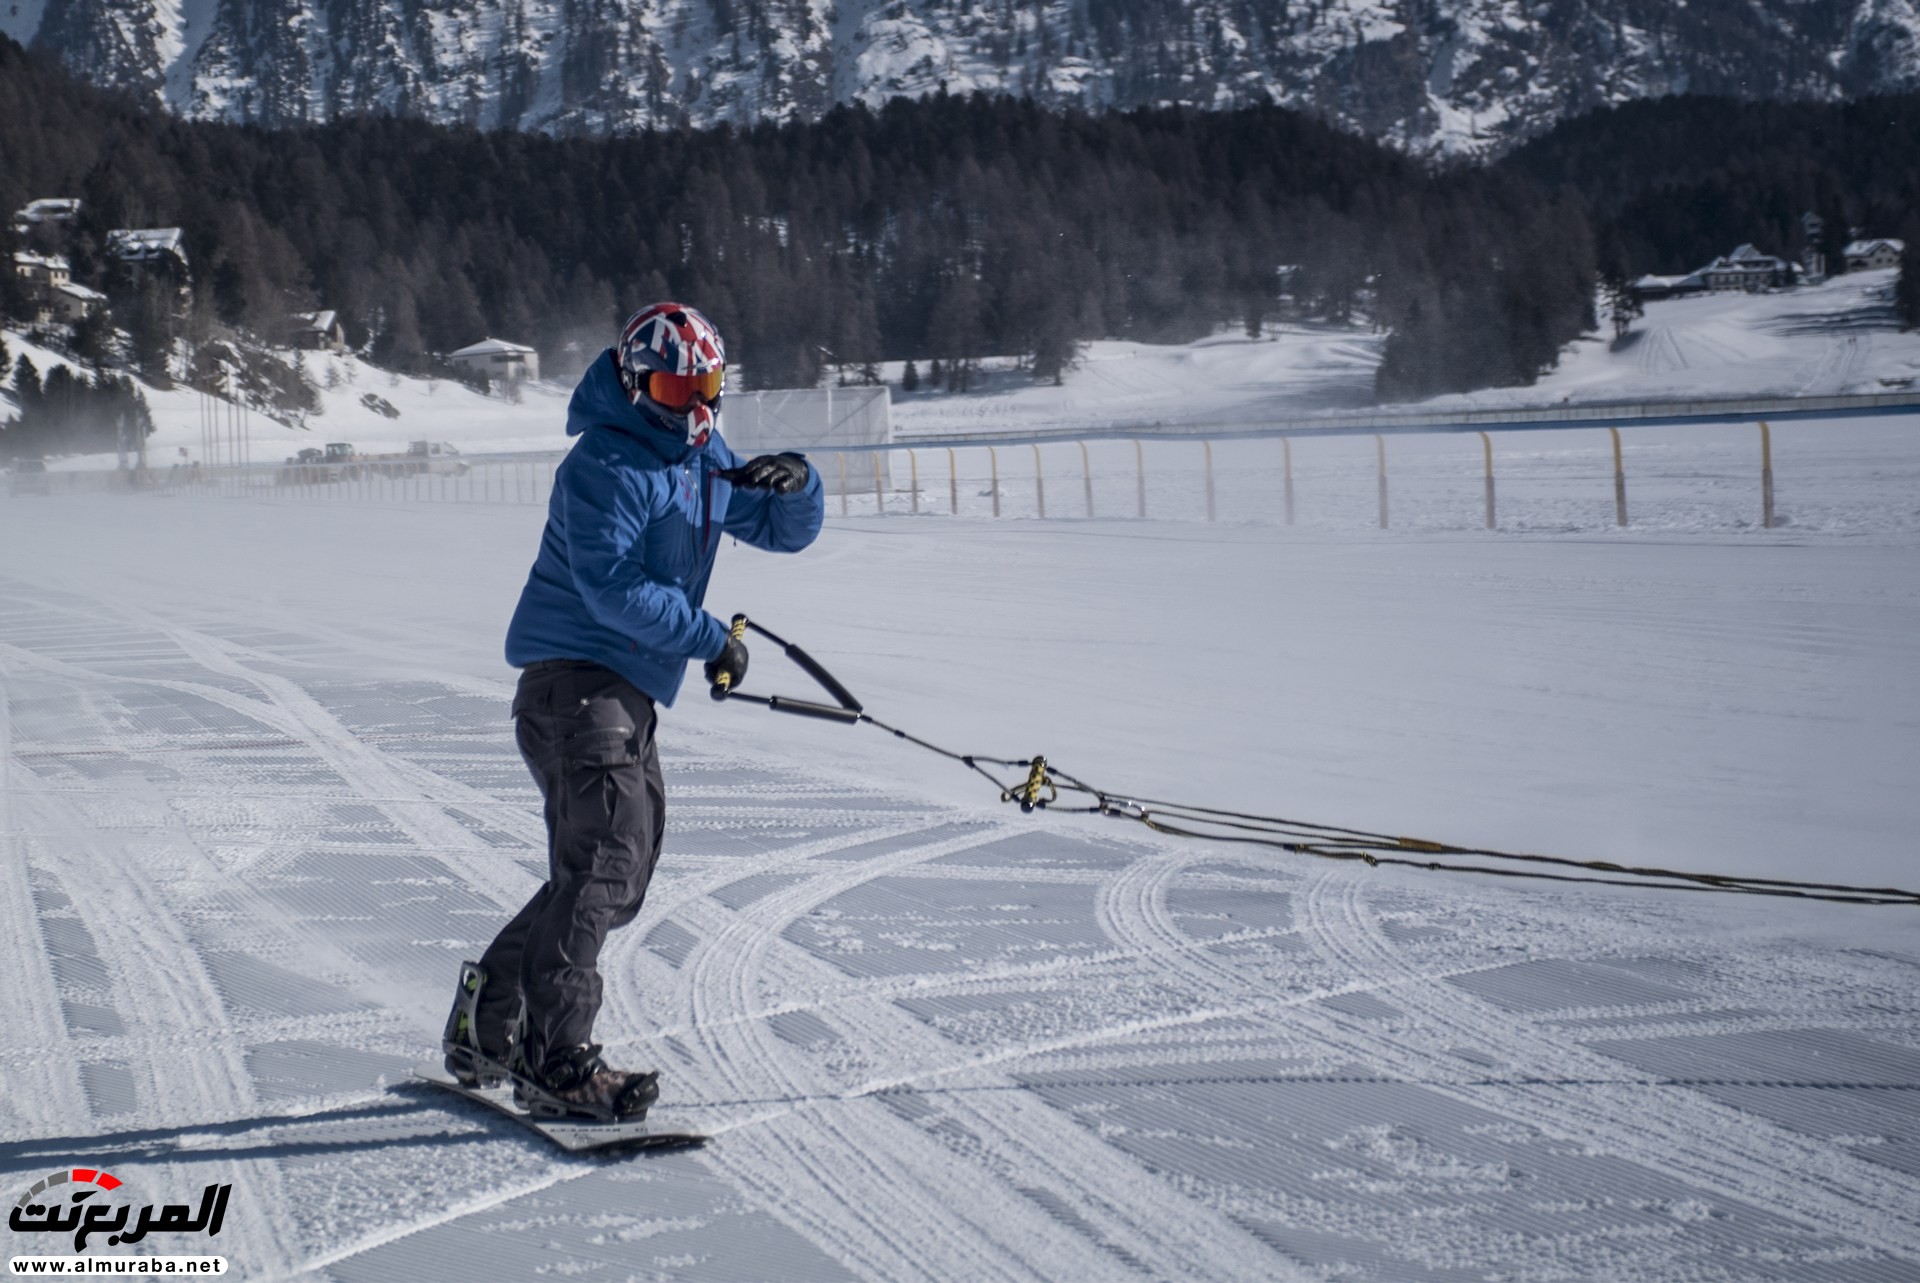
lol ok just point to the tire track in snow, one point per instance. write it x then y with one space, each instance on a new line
1699 1141
1020 1144
161 986
836 1183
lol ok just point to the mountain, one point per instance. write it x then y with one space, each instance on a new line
1446 76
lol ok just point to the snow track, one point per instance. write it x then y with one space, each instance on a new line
246 841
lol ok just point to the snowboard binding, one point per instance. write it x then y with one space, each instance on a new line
469 1065
578 1084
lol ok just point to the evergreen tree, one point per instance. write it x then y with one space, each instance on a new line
26 387
1906 291
910 378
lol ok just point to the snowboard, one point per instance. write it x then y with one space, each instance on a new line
575 1135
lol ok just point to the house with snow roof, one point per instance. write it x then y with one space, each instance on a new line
50 284
1744 269
497 360
75 303
152 251
54 209
1748 269
1868 256
1650 286
319 332
42 272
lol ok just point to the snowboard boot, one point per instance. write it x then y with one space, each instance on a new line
576 1083
471 1064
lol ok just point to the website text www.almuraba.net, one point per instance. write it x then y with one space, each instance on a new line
120 1266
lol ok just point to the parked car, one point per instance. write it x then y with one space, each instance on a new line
29 476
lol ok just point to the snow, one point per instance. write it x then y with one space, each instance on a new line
260 796
1836 337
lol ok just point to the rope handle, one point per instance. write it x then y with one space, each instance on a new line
723 684
848 709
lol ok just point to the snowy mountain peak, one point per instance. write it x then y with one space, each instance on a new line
1431 75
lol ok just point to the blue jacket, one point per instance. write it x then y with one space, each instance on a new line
635 521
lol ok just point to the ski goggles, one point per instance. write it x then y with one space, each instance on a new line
679 392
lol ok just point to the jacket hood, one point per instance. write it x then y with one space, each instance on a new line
600 402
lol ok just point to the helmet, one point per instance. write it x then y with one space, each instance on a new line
681 346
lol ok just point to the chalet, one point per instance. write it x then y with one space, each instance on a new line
152 252
50 285
58 209
498 360
1651 287
319 332
73 303
1867 256
1750 270
43 273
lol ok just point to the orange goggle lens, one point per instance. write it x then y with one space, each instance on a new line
680 391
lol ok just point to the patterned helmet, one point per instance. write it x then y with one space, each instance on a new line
672 365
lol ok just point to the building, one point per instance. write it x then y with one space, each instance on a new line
1750 270
152 252
43 273
74 303
497 360
58 209
1867 256
1657 287
1813 262
319 332
49 282
1744 269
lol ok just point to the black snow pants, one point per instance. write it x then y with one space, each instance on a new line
587 736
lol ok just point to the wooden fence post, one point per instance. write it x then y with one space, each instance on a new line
1086 475
1766 476
1140 468
913 471
1487 442
993 480
879 491
1381 442
1619 482
953 482
1039 483
1286 453
1208 447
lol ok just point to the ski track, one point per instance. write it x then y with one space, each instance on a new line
1754 1162
897 1146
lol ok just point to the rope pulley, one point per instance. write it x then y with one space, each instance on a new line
1037 793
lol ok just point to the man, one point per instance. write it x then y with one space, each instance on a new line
610 615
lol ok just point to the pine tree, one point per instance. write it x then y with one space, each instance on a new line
1906 292
26 387
910 378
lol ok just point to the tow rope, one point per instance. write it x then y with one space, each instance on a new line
1043 783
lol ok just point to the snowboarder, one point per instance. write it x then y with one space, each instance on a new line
606 624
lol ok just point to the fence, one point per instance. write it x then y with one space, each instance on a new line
1712 477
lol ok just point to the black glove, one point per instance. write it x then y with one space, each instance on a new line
731 663
780 473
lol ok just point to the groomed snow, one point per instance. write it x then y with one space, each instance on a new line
260 797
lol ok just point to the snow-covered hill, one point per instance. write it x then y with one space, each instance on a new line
1837 337
1451 75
